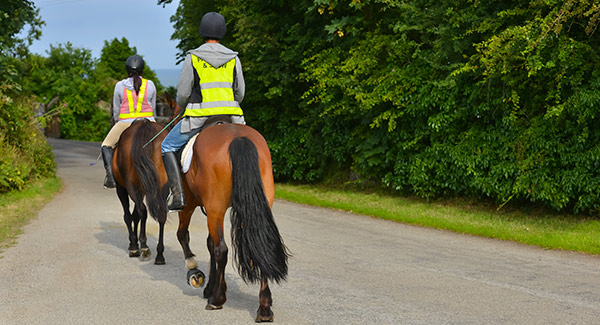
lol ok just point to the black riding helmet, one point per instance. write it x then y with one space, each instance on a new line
212 26
135 63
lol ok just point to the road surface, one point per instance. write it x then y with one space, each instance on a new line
71 267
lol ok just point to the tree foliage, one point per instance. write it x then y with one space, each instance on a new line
82 84
491 99
68 72
85 84
112 62
15 15
24 153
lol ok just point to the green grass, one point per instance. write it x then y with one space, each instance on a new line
17 208
543 229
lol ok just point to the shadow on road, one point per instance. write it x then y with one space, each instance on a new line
174 271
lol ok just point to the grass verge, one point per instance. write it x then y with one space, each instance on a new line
546 230
17 208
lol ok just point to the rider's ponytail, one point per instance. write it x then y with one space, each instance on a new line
137 82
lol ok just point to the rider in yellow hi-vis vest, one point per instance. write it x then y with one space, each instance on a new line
134 97
216 87
211 83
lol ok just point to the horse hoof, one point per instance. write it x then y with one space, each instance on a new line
212 307
264 316
134 252
159 260
195 278
145 252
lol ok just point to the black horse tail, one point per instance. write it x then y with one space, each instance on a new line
146 171
258 247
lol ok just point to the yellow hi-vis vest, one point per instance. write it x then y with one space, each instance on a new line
216 87
136 105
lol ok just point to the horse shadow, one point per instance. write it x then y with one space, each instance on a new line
173 272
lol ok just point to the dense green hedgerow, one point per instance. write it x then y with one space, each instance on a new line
497 100
24 152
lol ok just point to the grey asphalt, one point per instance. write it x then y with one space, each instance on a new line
71 267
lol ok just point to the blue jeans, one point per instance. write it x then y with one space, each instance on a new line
175 139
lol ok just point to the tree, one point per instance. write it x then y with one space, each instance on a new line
14 16
24 153
112 62
70 72
186 23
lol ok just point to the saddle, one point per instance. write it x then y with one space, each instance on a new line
187 152
215 120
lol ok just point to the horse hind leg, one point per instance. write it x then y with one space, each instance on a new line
134 250
216 290
161 218
213 268
143 218
134 221
160 247
264 312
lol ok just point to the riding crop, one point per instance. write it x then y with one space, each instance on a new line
161 131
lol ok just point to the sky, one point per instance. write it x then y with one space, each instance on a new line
88 23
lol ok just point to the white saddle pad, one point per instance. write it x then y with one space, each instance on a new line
186 155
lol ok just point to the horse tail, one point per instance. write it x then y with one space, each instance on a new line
258 247
146 171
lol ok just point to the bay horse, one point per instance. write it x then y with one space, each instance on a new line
139 172
231 167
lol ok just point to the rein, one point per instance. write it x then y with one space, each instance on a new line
161 131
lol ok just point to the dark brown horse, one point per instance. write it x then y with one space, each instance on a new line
231 167
139 173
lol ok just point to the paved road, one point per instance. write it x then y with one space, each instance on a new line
71 267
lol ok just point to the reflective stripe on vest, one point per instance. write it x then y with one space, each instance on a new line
216 86
141 108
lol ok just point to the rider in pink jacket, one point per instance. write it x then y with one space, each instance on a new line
134 97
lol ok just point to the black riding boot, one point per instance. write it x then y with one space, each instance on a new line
107 155
174 174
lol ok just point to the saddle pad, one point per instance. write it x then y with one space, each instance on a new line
186 155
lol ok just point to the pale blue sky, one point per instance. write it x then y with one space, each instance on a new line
88 23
